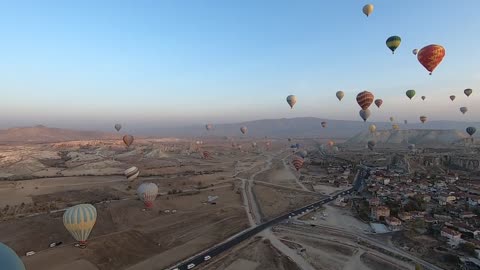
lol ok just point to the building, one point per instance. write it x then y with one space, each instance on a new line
378 212
451 234
375 201
405 216
444 199
393 223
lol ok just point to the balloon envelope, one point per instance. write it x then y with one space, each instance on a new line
79 221
371 145
324 124
463 109
364 114
393 43
118 127
365 99
291 100
147 192
424 97
243 129
131 173
468 92
340 95
415 51
423 119
410 93
378 102
372 128
431 56
367 9
208 126
9 260
471 130
452 97
128 140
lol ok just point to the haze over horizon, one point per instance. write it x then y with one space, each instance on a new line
89 65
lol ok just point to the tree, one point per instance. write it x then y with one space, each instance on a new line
468 248
418 266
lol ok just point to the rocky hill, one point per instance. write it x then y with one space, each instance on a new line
40 134
412 136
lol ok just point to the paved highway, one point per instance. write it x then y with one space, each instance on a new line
216 250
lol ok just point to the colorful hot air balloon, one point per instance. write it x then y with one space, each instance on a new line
340 95
372 128
208 126
9 260
79 221
128 140
415 51
395 127
244 129
410 93
452 97
431 56
471 131
371 145
118 127
424 97
147 192
423 119
468 92
297 163
291 100
392 119
367 9
393 43
324 124
364 114
365 99
463 109
378 102
206 154
131 173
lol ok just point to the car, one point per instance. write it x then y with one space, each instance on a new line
190 266
176 269
207 258
30 253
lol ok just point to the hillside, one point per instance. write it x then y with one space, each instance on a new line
41 133
414 136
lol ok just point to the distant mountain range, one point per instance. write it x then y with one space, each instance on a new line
304 127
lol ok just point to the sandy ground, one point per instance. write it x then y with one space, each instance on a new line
251 255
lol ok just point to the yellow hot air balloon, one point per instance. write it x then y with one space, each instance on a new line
367 9
395 127
372 128
79 221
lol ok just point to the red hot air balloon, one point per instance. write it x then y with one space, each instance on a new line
128 140
206 154
297 163
431 56
378 102
365 99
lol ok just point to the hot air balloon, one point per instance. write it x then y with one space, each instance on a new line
128 140
291 100
468 92
208 126
324 124
431 56
405 122
424 97
289 139
452 97
131 173
243 129
371 145
367 9
471 131
463 109
410 93
372 128
415 51
411 147
79 221
423 119
9 260
393 43
147 192
392 119
335 149
297 163
378 102
331 143
365 99
118 127
206 154
340 95
302 153
364 114
395 127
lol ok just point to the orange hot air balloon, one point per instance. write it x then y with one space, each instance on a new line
378 102
331 143
365 99
128 140
431 56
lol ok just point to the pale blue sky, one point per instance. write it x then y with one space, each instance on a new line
92 63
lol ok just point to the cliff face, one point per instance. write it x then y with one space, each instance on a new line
469 164
413 136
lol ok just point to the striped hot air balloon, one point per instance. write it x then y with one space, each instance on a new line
9 260
79 221
128 140
365 99
393 43
147 192
131 173
297 163
378 102
431 56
